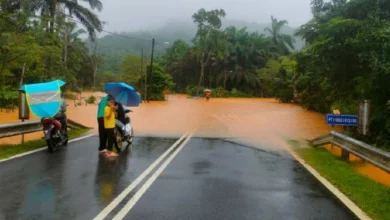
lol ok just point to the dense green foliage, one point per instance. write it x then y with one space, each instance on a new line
160 81
39 42
346 60
114 48
241 62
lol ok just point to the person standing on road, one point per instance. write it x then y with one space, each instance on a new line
109 126
100 118
208 94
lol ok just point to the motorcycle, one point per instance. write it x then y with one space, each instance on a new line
54 134
124 132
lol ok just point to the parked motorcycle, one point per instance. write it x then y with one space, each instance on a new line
124 132
54 134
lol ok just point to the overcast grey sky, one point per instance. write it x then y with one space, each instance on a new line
127 15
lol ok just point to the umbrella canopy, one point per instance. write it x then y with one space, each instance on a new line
123 93
43 86
43 99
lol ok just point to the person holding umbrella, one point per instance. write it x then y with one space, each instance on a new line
208 94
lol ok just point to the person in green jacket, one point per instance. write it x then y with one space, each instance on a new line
100 118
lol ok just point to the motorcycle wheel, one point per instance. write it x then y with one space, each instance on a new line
51 145
119 137
66 139
131 136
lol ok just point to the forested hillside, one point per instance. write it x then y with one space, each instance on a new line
114 48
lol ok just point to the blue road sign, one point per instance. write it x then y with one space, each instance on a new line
347 120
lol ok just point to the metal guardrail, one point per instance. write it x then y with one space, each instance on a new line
19 128
375 156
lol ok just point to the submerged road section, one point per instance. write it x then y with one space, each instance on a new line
182 178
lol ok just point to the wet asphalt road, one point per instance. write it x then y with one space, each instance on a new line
208 179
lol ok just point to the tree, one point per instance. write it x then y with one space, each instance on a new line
160 82
283 42
209 23
132 71
176 62
347 60
68 9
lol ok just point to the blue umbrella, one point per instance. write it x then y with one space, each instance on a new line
123 93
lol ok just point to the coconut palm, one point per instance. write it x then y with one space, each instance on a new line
283 42
70 9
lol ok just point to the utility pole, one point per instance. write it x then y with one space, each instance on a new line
151 71
142 65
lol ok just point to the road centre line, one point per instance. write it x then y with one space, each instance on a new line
129 205
134 184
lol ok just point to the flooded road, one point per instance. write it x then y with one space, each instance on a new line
202 179
262 123
252 120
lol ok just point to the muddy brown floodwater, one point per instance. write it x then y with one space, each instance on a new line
257 122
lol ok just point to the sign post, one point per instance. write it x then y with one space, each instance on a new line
364 118
24 111
344 120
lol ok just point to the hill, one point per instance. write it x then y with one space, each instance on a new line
118 46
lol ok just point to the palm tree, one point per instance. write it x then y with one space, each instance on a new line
71 37
70 9
283 42
242 76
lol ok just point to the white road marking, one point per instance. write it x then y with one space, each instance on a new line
126 209
341 196
125 192
43 148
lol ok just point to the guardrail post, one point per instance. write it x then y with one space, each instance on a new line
344 154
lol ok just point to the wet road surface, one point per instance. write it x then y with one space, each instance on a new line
205 179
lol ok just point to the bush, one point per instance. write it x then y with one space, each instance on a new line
70 96
192 91
284 95
9 99
91 99
160 82
220 92
237 93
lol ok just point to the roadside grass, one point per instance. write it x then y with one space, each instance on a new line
10 150
372 197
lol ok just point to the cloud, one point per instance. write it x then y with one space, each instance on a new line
130 15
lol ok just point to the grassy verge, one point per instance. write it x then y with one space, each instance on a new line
10 150
370 196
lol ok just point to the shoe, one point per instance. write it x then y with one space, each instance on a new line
112 154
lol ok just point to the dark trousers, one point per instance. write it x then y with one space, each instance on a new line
102 134
110 133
